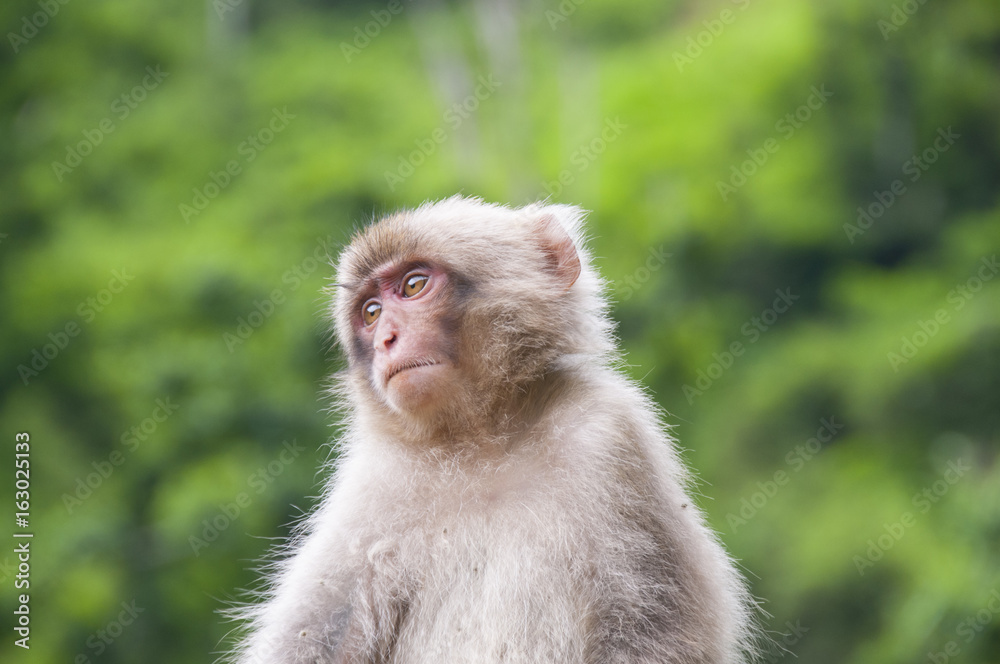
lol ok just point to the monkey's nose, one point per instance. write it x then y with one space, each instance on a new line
386 340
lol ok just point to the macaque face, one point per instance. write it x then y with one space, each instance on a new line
403 324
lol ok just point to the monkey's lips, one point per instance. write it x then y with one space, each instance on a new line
396 369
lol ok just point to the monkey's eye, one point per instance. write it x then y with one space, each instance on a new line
370 311
413 284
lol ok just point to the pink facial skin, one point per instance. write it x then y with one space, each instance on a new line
411 361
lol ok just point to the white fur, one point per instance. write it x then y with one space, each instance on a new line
569 539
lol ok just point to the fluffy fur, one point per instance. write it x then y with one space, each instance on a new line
544 516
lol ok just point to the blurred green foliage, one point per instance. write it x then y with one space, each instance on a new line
826 371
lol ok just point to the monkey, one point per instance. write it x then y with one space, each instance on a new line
502 492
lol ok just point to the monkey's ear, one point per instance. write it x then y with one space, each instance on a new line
559 249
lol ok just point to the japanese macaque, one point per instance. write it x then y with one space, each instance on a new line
502 493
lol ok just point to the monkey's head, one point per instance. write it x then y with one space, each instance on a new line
452 311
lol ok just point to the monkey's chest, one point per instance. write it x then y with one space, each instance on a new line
498 581
493 597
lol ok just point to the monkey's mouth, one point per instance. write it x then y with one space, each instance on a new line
405 366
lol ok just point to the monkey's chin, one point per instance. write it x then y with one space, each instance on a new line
419 390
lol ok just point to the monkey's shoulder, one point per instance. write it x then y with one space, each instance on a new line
605 417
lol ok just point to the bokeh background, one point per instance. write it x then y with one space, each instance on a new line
795 205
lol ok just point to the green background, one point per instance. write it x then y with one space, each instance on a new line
724 149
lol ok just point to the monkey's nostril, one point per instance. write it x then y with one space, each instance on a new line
385 342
